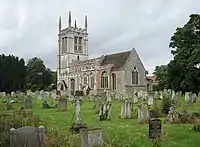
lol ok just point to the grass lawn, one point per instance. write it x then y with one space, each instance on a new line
120 132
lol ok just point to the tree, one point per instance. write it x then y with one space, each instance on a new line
12 73
38 76
161 73
185 44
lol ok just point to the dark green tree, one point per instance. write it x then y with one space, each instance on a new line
38 76
185 44
12 73
161 73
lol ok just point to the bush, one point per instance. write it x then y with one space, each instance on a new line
166 104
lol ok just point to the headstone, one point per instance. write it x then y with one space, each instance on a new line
78 125
28 103
91 137
150 98
142 113
173 115
155 128
27 136
105 110
153 114
62 104
126 110
39 97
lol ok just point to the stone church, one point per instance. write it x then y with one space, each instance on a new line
76 71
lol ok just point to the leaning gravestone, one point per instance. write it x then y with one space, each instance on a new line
27 136
155 128
62 104
91 137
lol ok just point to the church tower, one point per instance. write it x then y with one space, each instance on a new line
72 45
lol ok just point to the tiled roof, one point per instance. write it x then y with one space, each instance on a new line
152 78
117 59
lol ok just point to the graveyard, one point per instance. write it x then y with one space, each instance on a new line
117 130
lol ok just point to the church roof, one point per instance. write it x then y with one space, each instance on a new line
117 59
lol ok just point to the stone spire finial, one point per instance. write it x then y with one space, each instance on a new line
60 24
86 24
70 19
75 24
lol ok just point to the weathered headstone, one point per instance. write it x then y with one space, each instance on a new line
78 125
150 98
62 104
142 113
91 137
126 110
173 115
155 128
27 136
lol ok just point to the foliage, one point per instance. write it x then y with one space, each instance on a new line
185 44
181 73
38 76
166 104
14 71
161 73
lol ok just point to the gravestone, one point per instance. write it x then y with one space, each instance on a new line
28 103
39 97
27 136
62 104
150 98
142 113
91 137
126 110
153 114
155 128
105 110
78 125
173 115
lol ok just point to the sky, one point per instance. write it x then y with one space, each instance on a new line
29 28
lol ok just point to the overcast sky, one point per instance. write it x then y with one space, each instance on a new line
29 28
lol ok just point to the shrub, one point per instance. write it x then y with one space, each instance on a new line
166 104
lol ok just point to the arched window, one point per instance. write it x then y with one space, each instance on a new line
134 76
114 81
104 80
72 84
77 57
92 82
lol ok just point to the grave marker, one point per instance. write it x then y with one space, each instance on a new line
27 136
155 128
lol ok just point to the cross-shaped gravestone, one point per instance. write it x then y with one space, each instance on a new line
78 122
